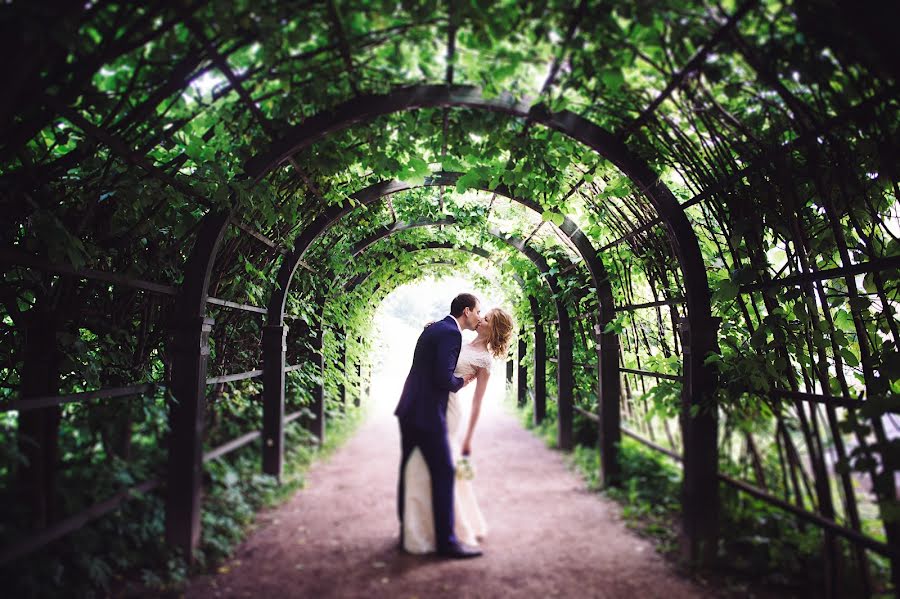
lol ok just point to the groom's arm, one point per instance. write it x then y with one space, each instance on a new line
448 345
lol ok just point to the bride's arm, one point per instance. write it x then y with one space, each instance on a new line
481 384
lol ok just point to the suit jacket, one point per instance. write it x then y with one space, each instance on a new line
423 402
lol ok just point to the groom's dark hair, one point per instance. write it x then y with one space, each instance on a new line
461 302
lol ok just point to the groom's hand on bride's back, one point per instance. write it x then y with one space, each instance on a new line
469 379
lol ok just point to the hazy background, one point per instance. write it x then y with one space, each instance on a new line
399 321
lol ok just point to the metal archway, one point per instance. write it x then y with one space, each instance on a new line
699 497
273 401
539 340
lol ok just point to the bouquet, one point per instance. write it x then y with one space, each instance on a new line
464 469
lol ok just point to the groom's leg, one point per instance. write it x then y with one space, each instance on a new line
436 451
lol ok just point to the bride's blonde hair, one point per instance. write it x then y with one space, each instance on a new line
501 332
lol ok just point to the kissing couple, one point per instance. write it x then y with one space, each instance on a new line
436 499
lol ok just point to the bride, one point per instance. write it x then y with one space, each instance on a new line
475 359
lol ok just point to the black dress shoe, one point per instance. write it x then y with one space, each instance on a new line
459 551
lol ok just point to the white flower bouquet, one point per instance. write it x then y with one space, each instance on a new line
464 469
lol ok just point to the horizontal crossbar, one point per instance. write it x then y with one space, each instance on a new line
227 304
227 378
72 523
658 375
34 403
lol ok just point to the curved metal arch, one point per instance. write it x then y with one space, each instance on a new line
356 282
539 343
700 503
367 107
399 227
446 245
607 342
700 489
377 191
361 278
608 375
565 379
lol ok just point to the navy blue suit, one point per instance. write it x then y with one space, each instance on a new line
422 412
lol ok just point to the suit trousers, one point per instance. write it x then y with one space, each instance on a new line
435 449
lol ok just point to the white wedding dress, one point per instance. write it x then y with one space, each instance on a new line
418 516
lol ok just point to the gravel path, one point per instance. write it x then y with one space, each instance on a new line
549 537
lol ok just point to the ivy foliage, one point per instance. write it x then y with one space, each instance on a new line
125 125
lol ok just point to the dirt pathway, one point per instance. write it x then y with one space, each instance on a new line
548 536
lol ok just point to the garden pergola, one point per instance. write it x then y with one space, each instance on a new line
697 202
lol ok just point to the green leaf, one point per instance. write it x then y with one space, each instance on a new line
615 326
471 180
849 357
555 217
728 291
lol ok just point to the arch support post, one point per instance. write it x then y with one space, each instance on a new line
317 426
38 430
359 377
540 372
190 353
187 406
700 497
522 373
274 348
342 361
608 402
510 369
565 380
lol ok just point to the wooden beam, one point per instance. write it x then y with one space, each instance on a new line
230 378
876 265
274 349
658 375
231 446
73 523
13 256
32 403
227 304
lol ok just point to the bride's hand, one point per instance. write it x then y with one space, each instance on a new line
467 447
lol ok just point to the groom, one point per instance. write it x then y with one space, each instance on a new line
422 413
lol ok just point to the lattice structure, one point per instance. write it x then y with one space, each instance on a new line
694 207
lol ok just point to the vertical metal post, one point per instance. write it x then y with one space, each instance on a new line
342 359
187 405
700 497
359 391
608 406
540 372
38 430
565 381
522 374
317 427
274 350
510 370
190 353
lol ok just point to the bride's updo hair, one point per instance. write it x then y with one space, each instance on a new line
501 332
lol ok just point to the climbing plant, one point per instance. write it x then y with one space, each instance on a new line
772 124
